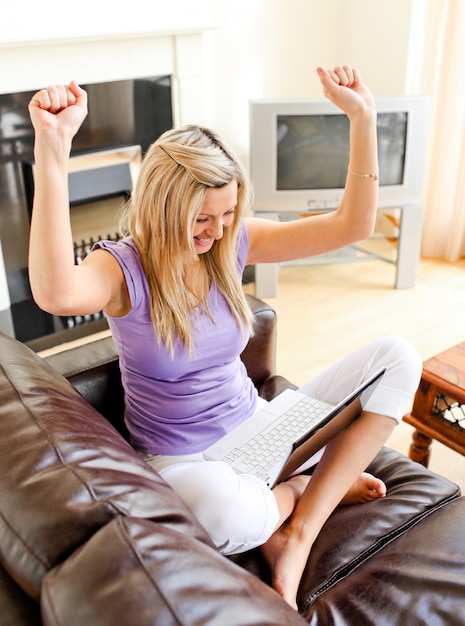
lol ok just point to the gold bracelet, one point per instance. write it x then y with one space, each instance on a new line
375 176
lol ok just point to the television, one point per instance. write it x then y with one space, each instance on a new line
299 153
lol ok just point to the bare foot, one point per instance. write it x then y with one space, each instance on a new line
286 551
286 557
365 489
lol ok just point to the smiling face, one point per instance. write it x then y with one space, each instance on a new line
217 213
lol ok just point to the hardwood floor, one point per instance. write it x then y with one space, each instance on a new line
325 311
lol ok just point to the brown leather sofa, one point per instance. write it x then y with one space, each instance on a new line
90 534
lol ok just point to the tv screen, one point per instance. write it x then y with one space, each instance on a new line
299 152
313 150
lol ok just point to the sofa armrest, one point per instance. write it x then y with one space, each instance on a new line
273 386
259 355
65 472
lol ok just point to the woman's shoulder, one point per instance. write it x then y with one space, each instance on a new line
126 254
123 248
120 243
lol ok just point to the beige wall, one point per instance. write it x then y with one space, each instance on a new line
270 48
377 40
253 48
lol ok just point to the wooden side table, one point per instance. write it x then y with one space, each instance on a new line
438 410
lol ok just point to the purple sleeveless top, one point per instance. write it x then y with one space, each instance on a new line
179 405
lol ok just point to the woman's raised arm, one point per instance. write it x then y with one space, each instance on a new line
58 285
355 218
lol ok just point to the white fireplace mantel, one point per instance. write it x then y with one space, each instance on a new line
30 65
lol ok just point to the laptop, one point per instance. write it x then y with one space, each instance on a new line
289 430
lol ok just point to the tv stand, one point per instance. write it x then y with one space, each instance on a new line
408 251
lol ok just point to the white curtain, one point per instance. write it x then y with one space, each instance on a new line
436 68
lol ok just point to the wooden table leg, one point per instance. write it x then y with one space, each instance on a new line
420 448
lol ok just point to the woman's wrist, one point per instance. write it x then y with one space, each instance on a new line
374 175
366 116
52 147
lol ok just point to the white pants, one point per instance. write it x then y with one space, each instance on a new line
239 511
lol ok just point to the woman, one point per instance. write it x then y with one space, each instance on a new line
172 293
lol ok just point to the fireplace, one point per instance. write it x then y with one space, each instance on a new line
124 118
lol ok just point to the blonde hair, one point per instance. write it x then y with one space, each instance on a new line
176 172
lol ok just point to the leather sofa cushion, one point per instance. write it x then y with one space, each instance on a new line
354 534
137 572
416 580
65 471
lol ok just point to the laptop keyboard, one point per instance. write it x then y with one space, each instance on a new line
267 447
